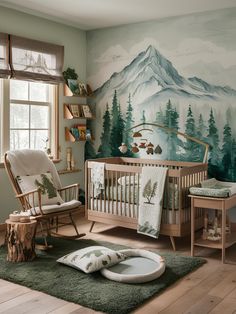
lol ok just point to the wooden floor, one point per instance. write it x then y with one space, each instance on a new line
210 289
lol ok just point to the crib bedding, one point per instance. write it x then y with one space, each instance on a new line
131 210
129 194
123 177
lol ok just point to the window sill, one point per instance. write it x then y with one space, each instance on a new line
55 161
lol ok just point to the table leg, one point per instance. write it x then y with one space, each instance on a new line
192 226
223 233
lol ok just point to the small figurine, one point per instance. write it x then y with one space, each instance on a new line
123 148
158 150
135 148
149 148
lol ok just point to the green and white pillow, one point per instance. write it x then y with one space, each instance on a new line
44 181
92 258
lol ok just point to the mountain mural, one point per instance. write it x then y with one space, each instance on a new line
151 76
150 89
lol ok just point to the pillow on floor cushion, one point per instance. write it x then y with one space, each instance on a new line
92 258
44 181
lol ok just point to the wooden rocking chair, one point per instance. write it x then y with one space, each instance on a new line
34 162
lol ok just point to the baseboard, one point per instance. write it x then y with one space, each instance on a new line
3 227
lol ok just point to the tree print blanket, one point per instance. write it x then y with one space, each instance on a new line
150 200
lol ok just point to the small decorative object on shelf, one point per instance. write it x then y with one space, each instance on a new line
69 74
213 228
83 89
75 88
68 158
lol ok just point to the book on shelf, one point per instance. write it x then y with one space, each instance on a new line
86 111
75 110
82 132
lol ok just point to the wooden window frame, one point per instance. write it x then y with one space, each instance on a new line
5 117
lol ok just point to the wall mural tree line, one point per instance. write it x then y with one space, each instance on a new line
116 125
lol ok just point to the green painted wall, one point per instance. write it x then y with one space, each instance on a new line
74 41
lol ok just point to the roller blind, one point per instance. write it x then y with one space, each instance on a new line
4 56
35 60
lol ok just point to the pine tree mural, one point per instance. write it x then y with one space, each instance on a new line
89 151
227 162
233 159
143 118
160 118
127 136
191 148
214 151
116 127
201 133
105 146
173 142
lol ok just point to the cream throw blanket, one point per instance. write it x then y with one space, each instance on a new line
150 200
31 162
98 177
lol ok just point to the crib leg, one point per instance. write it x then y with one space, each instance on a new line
172 239
91 227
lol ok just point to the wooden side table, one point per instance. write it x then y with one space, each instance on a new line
20 239
221 204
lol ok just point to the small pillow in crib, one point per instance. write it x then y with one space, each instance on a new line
92 258
129 180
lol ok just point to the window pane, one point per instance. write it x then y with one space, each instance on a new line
39 91
19 139
18 90
38 139
39 117
19 116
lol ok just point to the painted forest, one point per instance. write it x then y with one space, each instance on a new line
222 155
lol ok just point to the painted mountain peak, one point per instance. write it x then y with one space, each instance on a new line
151 78
150 89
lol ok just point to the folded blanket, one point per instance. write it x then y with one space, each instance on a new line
98 177
150 200
214 188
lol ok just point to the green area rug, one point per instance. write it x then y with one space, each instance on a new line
90 290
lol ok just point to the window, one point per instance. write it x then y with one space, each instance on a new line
28 116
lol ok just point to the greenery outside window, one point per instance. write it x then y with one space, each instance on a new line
29 116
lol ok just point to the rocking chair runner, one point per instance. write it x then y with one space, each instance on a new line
34 162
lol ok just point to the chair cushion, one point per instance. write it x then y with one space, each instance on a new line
43 181
48 209
92 258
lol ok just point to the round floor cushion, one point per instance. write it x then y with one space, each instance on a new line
140 266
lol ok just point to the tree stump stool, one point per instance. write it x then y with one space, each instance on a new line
20 239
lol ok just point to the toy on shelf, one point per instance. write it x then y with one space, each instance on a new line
213 227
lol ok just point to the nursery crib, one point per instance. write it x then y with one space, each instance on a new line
117 204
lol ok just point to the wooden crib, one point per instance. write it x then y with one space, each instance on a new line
117 204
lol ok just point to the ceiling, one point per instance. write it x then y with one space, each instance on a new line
93 14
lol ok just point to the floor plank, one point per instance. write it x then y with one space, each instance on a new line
227 306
